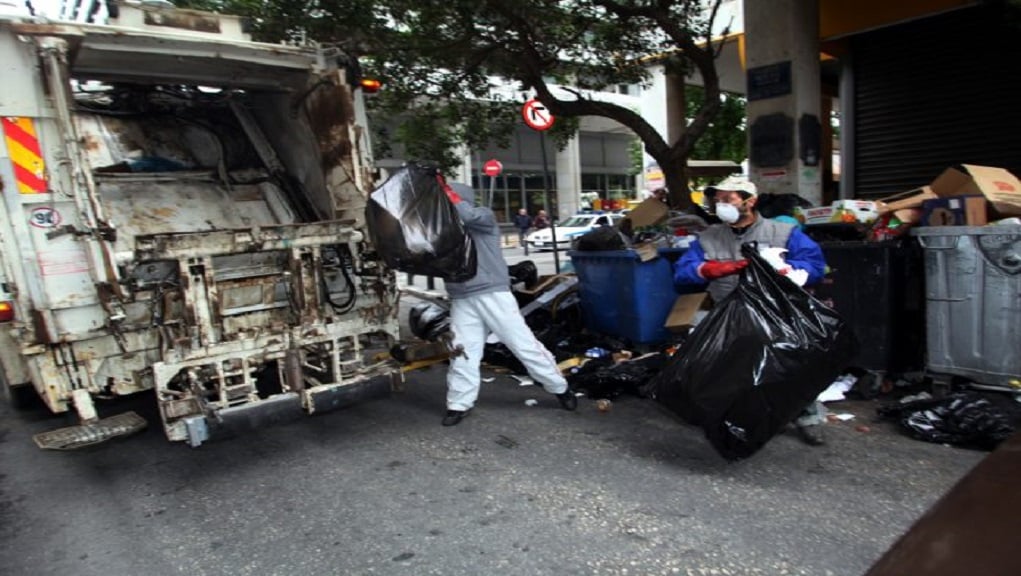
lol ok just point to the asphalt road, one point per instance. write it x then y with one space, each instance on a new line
382 488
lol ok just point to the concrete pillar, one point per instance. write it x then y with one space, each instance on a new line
463 173
784 116
568 171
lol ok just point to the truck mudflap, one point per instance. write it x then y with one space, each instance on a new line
282 408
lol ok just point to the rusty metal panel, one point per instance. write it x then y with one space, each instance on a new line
183 19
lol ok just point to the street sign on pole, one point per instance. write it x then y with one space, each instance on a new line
492 168
536 115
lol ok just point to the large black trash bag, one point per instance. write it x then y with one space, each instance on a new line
428 321
963 419
773 205
602 238
416 229
756 360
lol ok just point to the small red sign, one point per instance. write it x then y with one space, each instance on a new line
536 115
492 168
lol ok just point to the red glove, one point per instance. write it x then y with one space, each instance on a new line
713 269
454 197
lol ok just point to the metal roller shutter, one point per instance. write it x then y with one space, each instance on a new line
933 93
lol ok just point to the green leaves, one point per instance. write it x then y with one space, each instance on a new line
441 61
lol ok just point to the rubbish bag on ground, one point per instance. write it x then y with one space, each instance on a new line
602 238
756 360
416 229
428 321
604 378
964 419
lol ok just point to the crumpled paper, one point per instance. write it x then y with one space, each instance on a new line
776 259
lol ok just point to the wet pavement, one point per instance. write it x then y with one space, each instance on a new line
382 488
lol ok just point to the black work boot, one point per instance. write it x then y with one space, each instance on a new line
568 401
812 435
454 417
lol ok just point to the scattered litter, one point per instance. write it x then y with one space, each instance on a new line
863 429
488 379
603 405
523 380
838 389
505 441
596 352
531 402
916 397
844 417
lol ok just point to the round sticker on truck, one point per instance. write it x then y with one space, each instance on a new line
44 217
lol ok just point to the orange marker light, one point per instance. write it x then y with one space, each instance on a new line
371 85
6 311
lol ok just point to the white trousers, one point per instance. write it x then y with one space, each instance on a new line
471 320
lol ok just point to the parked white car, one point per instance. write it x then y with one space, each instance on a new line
570 229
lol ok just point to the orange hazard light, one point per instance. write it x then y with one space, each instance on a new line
6 311
370 85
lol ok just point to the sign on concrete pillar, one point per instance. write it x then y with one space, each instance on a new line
784 136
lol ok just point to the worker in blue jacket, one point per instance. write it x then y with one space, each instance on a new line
714 260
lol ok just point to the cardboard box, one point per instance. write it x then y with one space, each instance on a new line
821 215
959 211
685 311
865 211
649 212
908 215
647 251
999 187
905 200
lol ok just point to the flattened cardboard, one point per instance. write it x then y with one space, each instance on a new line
905 200
682 315
647 251
649 212
1001 188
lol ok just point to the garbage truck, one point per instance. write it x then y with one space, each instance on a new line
183 215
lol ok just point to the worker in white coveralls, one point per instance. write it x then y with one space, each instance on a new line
714 261
485 304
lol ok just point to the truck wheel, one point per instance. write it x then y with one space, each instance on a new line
21 397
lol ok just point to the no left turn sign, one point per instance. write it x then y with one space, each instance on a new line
536 115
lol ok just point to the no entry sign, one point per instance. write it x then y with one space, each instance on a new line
536 115
492 168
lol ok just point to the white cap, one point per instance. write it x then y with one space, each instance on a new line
734 184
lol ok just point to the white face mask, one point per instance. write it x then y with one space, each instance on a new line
728 213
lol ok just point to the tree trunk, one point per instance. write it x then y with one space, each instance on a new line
676 174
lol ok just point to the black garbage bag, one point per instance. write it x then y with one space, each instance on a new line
963 419
756 360
498 354
428 321
773 205
602 238
416 229
524 272
604 378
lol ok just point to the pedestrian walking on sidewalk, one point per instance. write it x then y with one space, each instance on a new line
523 222
713 261
485 304
541 220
